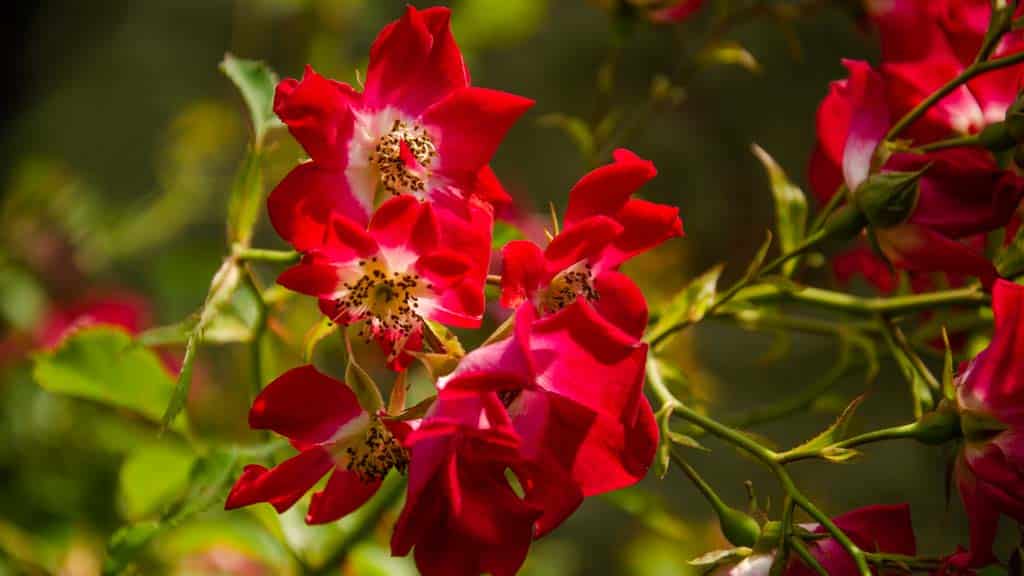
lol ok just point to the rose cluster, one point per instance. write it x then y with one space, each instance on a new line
929 163
393 217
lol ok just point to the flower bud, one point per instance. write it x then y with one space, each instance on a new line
996 137
1014 122
846 223
938 427
888 198
738 528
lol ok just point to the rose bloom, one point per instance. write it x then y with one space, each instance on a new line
990 394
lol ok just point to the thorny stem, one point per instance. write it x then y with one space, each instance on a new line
975 69
368 518
261 255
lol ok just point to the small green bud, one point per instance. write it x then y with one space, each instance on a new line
845 223
888 198
996 137
738 528
938 427
1014 120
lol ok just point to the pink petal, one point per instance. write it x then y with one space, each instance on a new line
318 113
305 406
677 12
488 188
282 485
869 121
982 515
576 347
996 377
444 70
470 123
345 492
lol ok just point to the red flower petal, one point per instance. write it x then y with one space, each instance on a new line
488 188
920 249
645 225
305 406
404 220
522 272
396 57
576 347
304 203
314 279
443 269
344 493
318 112
282 485
584 240
621 302
605 190
470 123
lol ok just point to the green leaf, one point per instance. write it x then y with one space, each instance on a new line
731 54
1010 263
364 387
834 433
103 364
152 477
688 305
22 297
256 81
316 334
209 480
575 128
166 335
754 268
503 234
246 200
236 318
717 558
790 206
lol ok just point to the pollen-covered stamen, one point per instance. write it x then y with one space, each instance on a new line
402 158
568 285
387 300
375 454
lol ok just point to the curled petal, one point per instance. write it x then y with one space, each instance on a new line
645 225
605 190
621 302
345 492
302 206
318 112
397 55
869 121
282 485
583 240
305 406
522 272
311 278
470 123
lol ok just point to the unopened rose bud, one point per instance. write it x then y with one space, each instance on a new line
888 198
738 528
938 427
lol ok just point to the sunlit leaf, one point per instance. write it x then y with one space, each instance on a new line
687 306
730 54
790 206
834 433
256 82
103 364
575 128
152 477
1010 263
22 298
361 383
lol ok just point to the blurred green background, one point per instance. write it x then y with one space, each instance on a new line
120 145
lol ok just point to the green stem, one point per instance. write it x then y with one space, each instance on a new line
837 534
366 521
894 433
833 204
969 296
956 142
914 563
970 72
261 255
805 555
